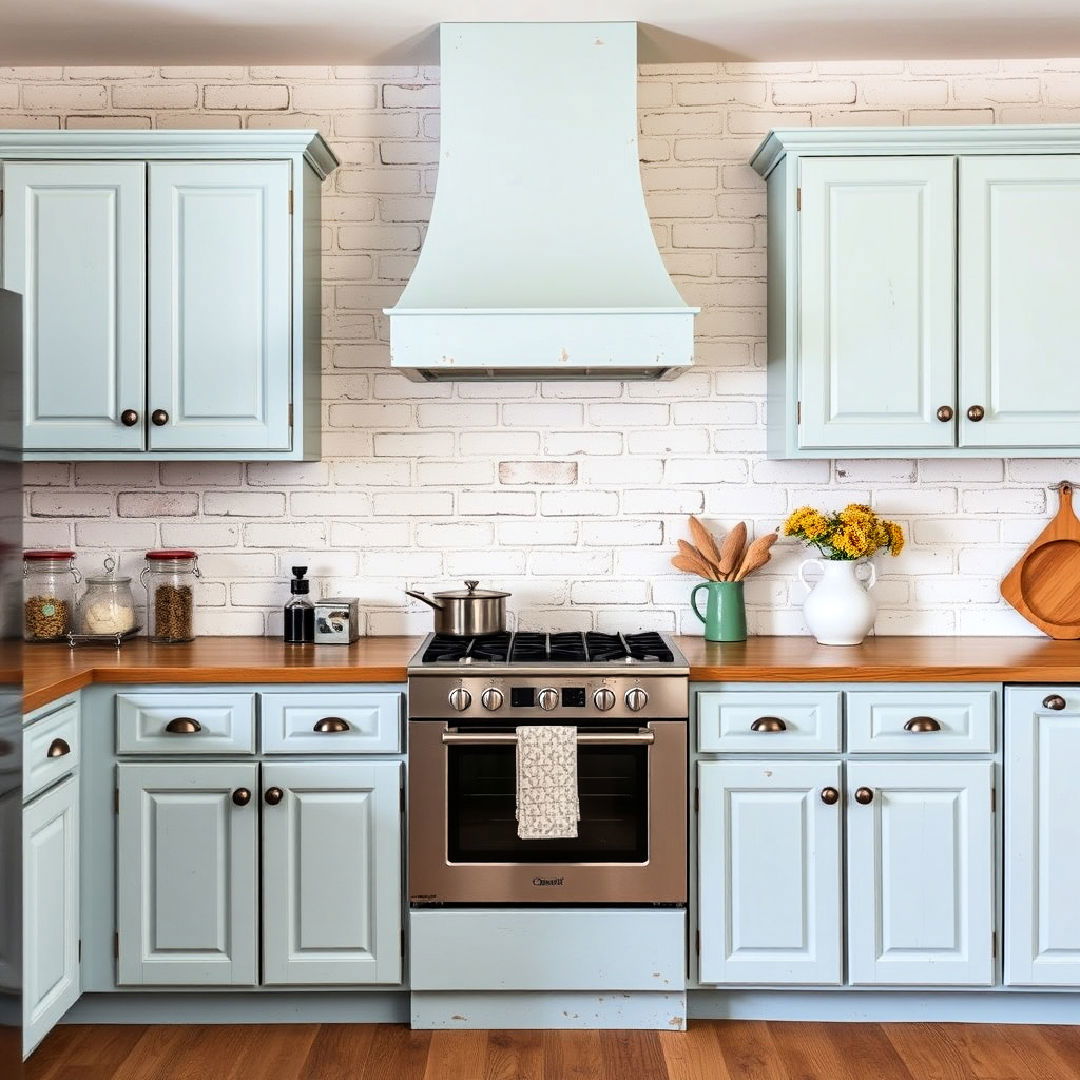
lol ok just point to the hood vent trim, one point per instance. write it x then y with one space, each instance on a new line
540 260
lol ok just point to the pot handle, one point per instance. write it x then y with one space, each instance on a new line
427 599
693 598
802 572
871 581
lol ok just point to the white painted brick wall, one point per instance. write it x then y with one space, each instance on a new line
570 496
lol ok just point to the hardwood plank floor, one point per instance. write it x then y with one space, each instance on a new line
710 1050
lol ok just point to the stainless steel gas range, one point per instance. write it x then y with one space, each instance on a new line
628 697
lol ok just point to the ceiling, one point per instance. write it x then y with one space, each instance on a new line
403 31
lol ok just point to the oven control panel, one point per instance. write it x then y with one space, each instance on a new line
510 697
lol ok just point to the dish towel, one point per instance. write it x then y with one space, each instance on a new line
547 782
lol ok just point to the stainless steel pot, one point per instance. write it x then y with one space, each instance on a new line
460 614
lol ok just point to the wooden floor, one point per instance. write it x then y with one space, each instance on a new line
710 1050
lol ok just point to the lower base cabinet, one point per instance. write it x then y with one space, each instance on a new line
190 858
50 838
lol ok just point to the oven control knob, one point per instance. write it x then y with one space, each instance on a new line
604 699
491 699
460 699
547 699
636 699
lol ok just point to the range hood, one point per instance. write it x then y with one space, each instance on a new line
539 261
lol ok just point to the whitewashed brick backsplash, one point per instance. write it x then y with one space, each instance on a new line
571 496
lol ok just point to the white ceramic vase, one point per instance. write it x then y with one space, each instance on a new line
839 609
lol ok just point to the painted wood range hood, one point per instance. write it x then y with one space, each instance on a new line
539 261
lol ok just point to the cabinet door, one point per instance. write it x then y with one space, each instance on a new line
769 897
876 306
75 246
220 289
1019 319
920 874
50 909
332 873
187 889
1042 839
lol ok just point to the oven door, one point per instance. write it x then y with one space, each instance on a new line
631 842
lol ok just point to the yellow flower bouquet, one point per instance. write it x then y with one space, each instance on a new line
856 532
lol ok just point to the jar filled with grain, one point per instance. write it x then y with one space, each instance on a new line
49 580
169 577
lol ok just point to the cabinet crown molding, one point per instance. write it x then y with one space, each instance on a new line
873 141
151 145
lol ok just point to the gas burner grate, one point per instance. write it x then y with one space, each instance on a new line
443 648
568 647
650 647
529 647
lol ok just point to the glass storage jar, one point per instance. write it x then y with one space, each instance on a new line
106 609
169 577
49 580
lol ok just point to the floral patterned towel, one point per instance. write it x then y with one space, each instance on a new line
547 782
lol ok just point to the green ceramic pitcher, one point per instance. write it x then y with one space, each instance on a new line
725 610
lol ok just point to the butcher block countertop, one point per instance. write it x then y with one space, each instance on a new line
51 671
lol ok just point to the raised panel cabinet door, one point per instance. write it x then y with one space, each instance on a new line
1019 320
74 246
50 909
769 896
920 873
1042 839
332 873
876 302
220 305
187 888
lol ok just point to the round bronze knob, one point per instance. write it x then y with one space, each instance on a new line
129 418
183 725
945 413
768 723
241 796
1055 702
864 796
922 723
273 796
976 413
58 748
331 725
830 796
159 418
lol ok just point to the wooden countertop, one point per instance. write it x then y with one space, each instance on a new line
53 670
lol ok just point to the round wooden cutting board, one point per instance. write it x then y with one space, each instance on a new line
1044 586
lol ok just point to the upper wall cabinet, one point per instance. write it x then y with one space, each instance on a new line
170 289
920 296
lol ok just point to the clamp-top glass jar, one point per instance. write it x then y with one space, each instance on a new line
106 609
49 580
169 577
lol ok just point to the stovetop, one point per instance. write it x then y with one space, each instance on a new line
534 651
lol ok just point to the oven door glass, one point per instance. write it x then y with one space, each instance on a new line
613 794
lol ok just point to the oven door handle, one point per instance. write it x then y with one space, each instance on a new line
638 738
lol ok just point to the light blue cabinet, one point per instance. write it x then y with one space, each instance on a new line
171 283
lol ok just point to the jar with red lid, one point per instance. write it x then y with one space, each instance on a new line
49 580
169 577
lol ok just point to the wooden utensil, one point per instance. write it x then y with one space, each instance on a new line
1044 586
704 542
731 552
691 565
757 555
689 551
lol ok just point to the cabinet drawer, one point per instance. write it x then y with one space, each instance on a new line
50 749
331 723
740 721
187 724
921 721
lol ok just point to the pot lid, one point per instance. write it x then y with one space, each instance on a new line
470 592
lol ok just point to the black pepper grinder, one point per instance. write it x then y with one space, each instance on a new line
299 611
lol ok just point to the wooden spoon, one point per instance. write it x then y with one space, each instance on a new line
704 542
757 555
691 565
691 552
731 552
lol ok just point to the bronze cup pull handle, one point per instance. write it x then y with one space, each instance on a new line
922 723
58 748
241 796
273 796
864 796
183 725
1054 702
331 725
830 796
768 723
